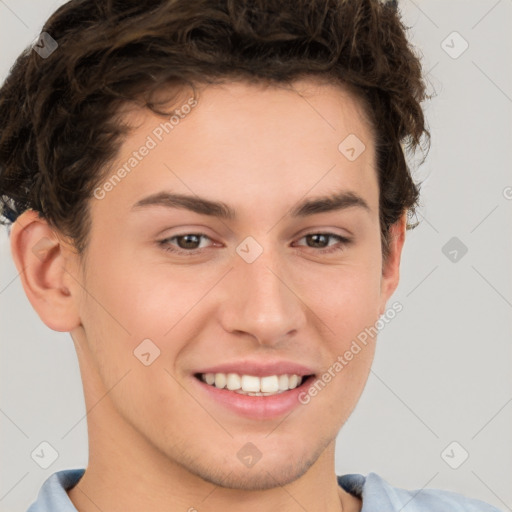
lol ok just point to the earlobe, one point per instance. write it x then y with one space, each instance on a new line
42 263
391 267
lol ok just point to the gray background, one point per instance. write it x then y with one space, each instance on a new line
442 368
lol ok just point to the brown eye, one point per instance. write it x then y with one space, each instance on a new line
187 243
321 241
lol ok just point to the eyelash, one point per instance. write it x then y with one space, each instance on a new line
193 252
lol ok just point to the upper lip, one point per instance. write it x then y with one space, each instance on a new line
259 368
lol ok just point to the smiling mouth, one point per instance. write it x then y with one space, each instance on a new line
252 385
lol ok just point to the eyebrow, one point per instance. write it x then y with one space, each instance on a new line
335 202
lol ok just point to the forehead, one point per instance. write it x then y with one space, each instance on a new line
248 141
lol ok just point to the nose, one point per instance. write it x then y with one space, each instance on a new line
261 301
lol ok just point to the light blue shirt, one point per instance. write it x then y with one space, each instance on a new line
376 494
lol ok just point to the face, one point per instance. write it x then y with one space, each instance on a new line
172 292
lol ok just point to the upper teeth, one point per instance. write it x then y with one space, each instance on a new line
250 384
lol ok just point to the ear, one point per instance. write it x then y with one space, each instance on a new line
391 266
45 264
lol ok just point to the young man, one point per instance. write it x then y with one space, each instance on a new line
211 197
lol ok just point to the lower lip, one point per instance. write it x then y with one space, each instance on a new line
256 407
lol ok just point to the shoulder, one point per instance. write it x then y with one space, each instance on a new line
377 494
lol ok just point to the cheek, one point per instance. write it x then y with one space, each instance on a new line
129 302
345 300
142 300
345 297
129 319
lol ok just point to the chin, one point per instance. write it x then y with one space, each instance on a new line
258 479
269 472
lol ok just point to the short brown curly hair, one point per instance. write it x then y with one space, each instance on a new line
60 127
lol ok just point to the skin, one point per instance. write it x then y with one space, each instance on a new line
155 442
